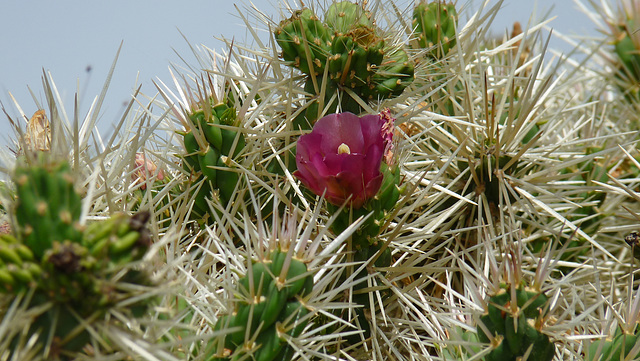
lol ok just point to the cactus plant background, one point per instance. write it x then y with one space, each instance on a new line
500 220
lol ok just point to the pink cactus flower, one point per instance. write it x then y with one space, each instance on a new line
145 168
342 156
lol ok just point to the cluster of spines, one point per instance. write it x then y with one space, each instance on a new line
348 42
487 181
271 306
434 24
515 325
209 153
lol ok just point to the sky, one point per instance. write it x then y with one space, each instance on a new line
77 41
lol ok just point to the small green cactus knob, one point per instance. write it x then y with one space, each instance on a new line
394 74
305 41
515 324
48 207
343 16
434 24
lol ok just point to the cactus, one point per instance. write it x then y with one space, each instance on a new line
619 347
487 181
345 16
209 154
18 267
69 266
271 291
358 58
627 51
502 158
391 78
514 325
305 41
48 208
435 25
468 344
76 277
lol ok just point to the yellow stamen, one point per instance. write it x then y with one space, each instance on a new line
343 148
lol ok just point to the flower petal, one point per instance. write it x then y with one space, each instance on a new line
357 174
340 128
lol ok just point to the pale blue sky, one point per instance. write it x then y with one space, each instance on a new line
67 36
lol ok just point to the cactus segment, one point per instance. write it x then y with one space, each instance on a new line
617 347
357 53
343 16
54 256
518 332
358 58
627 52
392 77
48 207
270 305
304 40
434 24
211 163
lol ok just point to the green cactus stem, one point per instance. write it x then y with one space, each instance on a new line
271 305
516 328
618 347
358 58
209 159
68 266
434 24
48 207
343 16
305 41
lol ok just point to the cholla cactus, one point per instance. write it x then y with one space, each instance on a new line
272 290
210 150
435 27
400 187
350 49
67 266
